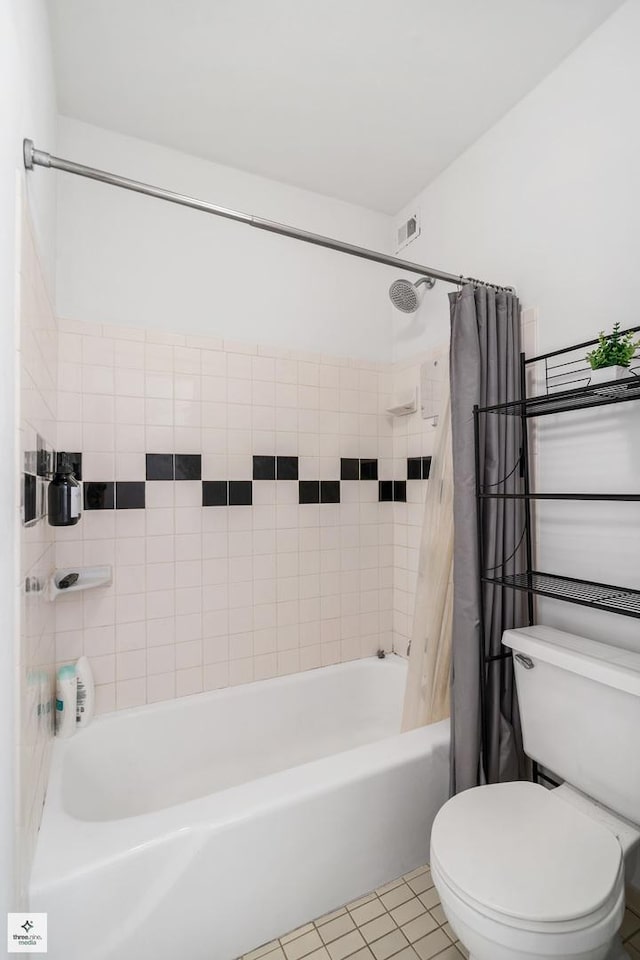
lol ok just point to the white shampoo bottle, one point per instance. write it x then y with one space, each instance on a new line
66 699
86 693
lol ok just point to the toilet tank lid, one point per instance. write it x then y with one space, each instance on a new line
602 662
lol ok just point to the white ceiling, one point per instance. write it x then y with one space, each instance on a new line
365 100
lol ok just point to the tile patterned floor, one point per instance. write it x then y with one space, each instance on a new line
401 921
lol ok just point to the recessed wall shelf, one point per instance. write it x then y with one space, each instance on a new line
403 404
88 579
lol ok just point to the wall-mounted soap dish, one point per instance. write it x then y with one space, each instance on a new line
73 579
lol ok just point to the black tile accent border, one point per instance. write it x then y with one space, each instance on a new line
368 469
329 491
349 468
418 468
240 493
30 506
214 493
308 491
287 468
264 468
99 496
400 490
385 491
159 466
130 495
395 490
188 466
414 468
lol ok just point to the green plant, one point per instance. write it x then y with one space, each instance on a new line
614 349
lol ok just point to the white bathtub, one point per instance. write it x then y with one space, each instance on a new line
206 826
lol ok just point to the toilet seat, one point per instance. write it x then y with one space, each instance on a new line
490 936
514 852
575 925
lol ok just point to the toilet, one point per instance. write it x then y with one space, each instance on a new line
527 873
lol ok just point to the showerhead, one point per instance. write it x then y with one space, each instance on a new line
407 296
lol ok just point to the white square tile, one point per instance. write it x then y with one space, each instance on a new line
161 686
157 413
98 641
188 627
188 654
215 675
189 681
130 636
131 664
98 466
98 436
188 439
161 660
98 379
130 693
161 604
160 632
160 576
215 649
265 666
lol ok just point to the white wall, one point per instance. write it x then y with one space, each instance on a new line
27 109
128 259
549 201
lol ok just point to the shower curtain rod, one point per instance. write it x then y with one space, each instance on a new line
39 158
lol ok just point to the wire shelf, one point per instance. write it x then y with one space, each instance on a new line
599 596
604 497
581 398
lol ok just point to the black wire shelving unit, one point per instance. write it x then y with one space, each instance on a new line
567 387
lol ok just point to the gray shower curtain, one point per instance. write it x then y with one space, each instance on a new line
484 361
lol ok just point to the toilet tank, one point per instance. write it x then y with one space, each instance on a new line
580 710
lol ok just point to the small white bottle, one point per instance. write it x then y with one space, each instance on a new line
66 699
86 697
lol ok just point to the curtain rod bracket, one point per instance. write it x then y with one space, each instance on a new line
27 152
33 157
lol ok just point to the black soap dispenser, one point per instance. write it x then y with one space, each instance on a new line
64 496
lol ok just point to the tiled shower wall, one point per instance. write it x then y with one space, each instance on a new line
37 360
259 581
414 438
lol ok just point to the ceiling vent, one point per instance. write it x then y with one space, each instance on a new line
407 232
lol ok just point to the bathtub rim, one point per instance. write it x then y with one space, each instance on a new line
390 660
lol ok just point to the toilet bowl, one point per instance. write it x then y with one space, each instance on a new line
523 874
526 873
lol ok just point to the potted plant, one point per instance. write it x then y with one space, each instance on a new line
611 359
